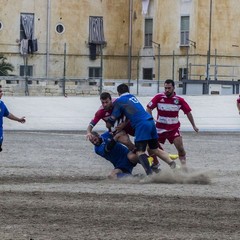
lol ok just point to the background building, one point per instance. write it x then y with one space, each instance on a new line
86 46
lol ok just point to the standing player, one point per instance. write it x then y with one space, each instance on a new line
238 104
5 113
143 124
168 105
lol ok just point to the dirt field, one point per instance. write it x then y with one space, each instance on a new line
53 186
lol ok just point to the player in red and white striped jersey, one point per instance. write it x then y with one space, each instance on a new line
168 105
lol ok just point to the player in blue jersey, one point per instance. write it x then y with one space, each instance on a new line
118 154
143 123
5 113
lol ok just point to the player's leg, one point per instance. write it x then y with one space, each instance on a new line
143 158
132 157
161 154
162 137
117 173
1 140
178 143
124 138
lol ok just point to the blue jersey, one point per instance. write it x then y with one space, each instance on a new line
140 120
129 105
3 113
117 156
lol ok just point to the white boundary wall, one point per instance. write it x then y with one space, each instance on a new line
211 113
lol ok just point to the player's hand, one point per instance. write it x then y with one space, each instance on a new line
89 136
196 129
22 120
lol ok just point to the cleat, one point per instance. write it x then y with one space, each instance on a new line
145 162
173 156
156 168
174 166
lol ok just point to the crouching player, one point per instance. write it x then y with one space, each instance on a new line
119 155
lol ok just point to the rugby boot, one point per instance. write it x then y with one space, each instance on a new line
145 162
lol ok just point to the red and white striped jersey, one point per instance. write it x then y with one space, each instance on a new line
168 111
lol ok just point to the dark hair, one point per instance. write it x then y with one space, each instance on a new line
95 134
122 88
0 86
105 95
170 81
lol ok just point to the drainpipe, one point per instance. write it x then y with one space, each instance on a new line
48 35
130 43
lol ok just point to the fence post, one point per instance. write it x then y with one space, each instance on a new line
64 70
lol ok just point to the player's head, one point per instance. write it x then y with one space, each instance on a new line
169 87
122 88
96 139
106 100
1 91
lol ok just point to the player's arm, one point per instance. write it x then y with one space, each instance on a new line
17 119
238 106
110 122
191 120
110 145
149 110
94 121
89 132
122 125
116 113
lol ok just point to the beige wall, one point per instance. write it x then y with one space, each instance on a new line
74 15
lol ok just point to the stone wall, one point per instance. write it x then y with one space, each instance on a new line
40 87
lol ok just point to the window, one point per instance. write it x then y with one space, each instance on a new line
182 73
26 26
147 73
60 28
184 30
29 70
148 32
94 72
96 33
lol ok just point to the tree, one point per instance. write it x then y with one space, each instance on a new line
5 67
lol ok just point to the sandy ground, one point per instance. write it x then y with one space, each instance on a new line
53 186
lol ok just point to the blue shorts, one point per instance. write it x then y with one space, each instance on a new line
145 130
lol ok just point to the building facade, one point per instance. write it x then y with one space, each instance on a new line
85 46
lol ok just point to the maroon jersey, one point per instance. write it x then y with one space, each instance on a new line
103 114
168 111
